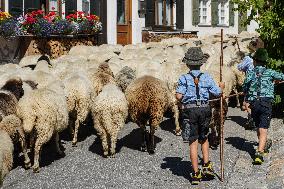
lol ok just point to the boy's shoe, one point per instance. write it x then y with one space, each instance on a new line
196 178
258 158
268 145
207 169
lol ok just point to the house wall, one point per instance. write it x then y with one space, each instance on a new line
6 5
111 21
205 30
136 24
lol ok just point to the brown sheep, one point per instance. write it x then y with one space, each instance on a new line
102 76
148 99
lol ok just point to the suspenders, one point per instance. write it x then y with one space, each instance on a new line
196 82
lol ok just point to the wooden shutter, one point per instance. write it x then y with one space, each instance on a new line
195 12
214 13
31 5
150 13
180 14
15 7
231 14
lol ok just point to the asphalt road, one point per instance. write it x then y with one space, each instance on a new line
84 167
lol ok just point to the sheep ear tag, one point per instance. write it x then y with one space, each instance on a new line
196 81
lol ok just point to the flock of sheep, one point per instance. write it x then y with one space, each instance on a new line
39 98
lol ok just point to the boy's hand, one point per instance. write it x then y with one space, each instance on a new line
222 85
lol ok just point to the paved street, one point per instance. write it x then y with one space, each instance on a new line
84 166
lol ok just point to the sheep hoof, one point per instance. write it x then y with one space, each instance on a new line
143 148
105 154
28 165
36 169
61 154
178 132
151 151
74 144
112 156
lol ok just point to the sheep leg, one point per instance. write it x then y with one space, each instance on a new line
38 145
152 140
77 125
176 116
24 147
238 98
57 143
104 144
113 139
143 144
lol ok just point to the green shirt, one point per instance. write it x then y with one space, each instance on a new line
259 83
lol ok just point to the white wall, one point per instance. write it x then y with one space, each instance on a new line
6 5
111 21
136 24
253 25
79 5
63 10
205 30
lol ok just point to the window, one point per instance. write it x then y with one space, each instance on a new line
86 6
205 12
223 12
164 12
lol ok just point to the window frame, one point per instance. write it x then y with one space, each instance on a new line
164 19
208 13
226 13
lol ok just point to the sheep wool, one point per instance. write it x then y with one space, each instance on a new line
148 99
109 113
45 111
6 155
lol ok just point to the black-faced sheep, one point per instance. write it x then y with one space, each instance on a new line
44 113
6 155
10 93
148 99
124 77
109 113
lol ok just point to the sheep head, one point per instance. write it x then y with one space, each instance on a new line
15 86
104 67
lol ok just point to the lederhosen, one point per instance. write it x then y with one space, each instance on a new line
196 116
261 107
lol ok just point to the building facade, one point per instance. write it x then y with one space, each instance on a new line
124 20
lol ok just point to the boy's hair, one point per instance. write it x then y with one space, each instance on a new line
194 67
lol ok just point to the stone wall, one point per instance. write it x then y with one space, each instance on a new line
10 50
148 36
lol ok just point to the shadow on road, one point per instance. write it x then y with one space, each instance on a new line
168 125
238 119
177 166
132 140
242 144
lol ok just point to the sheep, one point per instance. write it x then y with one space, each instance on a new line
6 155
78 91
10 93
109 112
124 77
12 125
100 77
148 99
44 114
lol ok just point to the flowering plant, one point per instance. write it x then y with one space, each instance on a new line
10 27
62 27
42 28
4 16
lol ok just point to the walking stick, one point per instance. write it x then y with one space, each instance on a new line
221 112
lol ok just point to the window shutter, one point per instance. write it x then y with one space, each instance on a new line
231 14
214 13
195 12
180 14
150 13
70 7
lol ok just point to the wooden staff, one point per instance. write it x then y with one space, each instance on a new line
221 111
237 41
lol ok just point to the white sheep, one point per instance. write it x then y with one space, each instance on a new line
44 112
6 155
109 113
